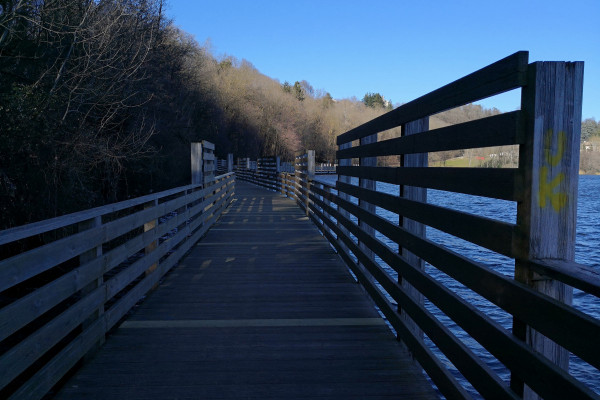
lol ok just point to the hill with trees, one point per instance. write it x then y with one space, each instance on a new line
99 102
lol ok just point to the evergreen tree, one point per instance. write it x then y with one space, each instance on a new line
589 128
374 100
298 91
327 100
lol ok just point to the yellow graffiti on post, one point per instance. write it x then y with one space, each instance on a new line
554 159
548 185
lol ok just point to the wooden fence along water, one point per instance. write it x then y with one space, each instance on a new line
59 298
546 328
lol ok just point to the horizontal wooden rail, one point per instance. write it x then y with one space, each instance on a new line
61 298
498 183
36 228
579 276
504 75
499 130
486 232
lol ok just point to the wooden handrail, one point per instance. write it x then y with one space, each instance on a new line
541 241
62 297
504 75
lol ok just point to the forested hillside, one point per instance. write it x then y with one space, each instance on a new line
99 101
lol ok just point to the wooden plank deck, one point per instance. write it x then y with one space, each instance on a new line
261 308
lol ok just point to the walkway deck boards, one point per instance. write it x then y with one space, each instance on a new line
261 308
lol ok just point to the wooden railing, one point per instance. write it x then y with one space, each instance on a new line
546 328
268 174
263 174
65 282
325 169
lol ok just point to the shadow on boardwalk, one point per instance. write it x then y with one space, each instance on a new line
260 308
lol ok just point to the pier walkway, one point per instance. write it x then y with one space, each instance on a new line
243 298
261 308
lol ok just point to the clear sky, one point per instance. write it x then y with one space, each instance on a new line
401 49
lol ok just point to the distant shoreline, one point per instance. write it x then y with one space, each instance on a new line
584 173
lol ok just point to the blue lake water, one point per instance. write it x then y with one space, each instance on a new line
587 251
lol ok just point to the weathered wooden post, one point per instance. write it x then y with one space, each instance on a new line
310 176
367 184
230 162
344 162
208 163
203 162
418 229
326 201
546 217
277 176
148 226
196 158
295 180
84 258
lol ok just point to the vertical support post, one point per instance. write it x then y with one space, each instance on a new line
418 229
280 175
196 158
88 256
367 184
295 179
230 162
344 162
208 163
147 227
310 176
186 209
310 164
327 189
277 176
549 162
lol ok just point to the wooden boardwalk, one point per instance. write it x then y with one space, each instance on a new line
261 308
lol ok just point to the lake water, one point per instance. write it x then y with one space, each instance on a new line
587 251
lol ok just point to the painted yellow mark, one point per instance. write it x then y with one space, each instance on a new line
548 185
554 159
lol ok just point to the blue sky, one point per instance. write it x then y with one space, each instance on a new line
401 49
